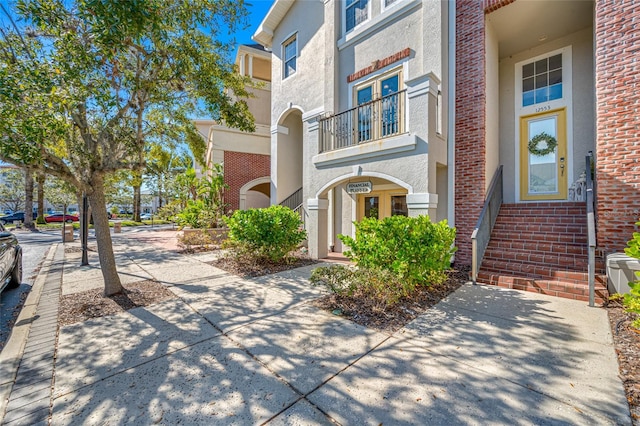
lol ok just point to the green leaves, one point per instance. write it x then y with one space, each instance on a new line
415 250
631 300
269 233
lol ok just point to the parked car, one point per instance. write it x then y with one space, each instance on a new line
60 217
15 217
10 260
146 216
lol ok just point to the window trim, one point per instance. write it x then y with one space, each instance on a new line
375 83
384 7
344 17
375 23
376 80
287 41
567 65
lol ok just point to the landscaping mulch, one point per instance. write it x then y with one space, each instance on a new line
89 304
626 339
70 250
250 267
394 318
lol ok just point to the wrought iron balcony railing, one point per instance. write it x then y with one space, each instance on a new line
374 120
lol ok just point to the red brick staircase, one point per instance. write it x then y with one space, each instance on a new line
542 247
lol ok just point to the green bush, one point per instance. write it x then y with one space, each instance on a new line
631 300
270 233
168 212
413 249
197 215
375 287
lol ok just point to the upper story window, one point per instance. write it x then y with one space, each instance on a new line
290 54
542 80
382 118
356 12
388 3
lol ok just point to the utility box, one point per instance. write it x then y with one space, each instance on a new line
67 233
117 227
621 270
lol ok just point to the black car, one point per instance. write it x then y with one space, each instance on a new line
10 260
17 216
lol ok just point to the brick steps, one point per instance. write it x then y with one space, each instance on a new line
558 288
542 247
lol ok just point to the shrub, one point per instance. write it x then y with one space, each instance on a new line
413 249
270 233
631 300
197 215
169 211
375 287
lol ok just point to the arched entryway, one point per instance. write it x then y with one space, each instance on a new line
348 199
256 194
286 159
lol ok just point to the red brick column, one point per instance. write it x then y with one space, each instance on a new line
470 143
617 75
239 169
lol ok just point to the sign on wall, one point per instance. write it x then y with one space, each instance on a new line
359 187
379 64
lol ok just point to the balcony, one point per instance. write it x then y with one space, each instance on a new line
375 120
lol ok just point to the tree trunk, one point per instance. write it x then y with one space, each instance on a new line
137 202
28 199
112 283
40 180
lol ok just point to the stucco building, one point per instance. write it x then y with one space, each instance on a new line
357 111
384 107
245 156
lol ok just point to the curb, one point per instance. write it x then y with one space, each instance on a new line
12 353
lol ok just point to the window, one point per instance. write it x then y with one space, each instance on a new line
290 53
388 3
356 12
399 205
382 116
542 80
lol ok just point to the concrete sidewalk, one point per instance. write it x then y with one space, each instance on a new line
236 351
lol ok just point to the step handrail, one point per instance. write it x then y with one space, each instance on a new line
293 201
591 226
482 232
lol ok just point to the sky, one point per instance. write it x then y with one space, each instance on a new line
258 10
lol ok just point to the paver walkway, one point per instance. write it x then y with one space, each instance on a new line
236 351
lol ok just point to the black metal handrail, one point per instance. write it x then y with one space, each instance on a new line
591 225
293 201
482 232
370 121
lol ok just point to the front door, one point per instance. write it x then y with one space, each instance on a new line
381 204
543 156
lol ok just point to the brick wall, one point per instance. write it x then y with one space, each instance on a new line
493 5
240 168
469 123
617 38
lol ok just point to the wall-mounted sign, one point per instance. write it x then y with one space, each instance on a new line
378 64
359 187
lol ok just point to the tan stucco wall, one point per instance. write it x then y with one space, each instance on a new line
582 105
319 86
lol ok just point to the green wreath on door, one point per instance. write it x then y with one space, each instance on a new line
550 142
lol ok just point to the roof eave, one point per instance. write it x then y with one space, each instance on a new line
264 33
